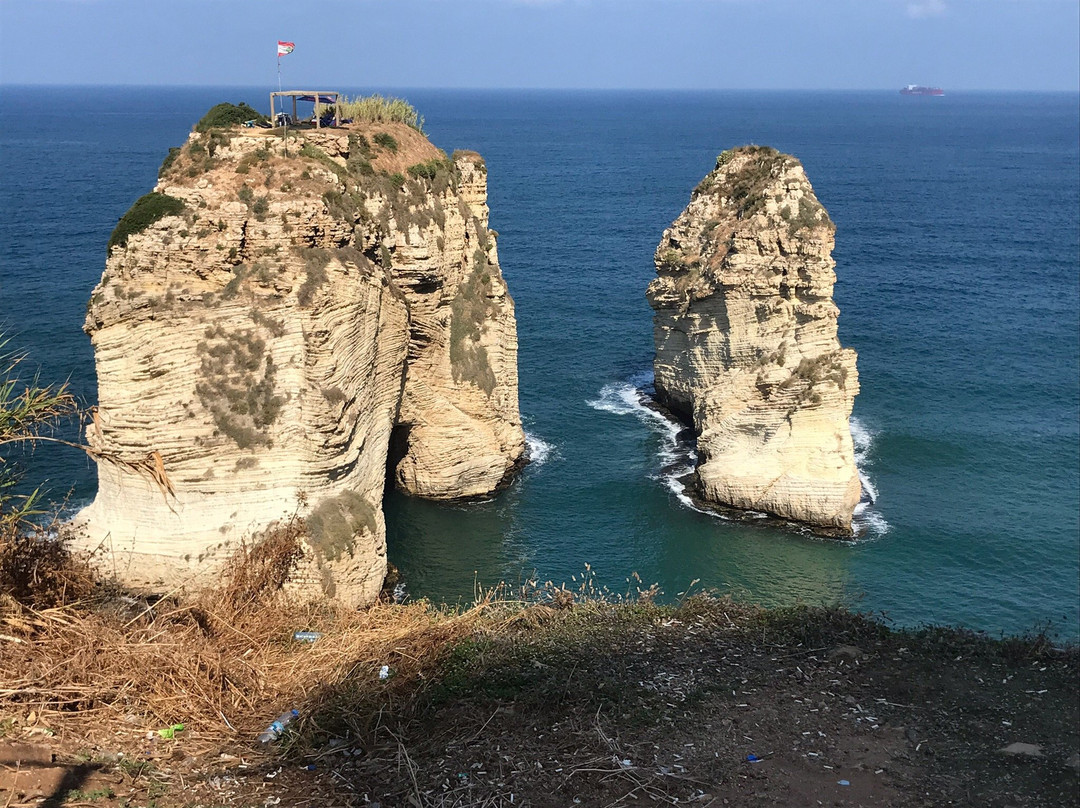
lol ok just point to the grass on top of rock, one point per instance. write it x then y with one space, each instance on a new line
745 187
170 159
823 369
146 210
386 141
473 157
379 109
313 152
671 260
253 158
315 262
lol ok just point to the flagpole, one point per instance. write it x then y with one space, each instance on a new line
285 131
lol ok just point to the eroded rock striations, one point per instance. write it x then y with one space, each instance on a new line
271 322
746 345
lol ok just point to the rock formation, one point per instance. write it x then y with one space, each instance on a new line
271 321
746 345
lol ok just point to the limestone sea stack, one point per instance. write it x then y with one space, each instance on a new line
746 344
278 322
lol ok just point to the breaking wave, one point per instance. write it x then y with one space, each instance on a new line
537 450
868 520
677 454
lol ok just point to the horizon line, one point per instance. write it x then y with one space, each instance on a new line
894 89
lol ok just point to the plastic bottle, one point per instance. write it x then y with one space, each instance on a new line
277 726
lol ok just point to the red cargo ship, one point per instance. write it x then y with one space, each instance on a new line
916 89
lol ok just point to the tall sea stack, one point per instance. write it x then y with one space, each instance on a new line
278 322
746 345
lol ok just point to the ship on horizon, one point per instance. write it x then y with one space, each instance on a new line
918 89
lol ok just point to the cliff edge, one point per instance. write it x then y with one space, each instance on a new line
278 320
746 344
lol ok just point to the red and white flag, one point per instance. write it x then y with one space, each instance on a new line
284 48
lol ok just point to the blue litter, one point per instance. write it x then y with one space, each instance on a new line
753 758
843 783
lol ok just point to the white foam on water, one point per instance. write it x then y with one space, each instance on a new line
868 521
870 524
677 457
537 449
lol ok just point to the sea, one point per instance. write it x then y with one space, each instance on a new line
958 265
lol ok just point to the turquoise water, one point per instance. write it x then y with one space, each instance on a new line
958 250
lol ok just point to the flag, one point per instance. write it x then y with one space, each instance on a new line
284 48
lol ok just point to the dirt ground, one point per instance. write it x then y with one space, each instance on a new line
707 704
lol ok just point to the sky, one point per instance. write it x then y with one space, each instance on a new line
580 44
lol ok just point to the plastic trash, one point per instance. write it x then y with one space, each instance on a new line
170 731
277 726
843 783
306 636
384 672
753 759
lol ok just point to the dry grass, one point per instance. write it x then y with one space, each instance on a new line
105 663
225 663
377 109
37 570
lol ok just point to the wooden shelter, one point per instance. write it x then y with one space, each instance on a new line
319 98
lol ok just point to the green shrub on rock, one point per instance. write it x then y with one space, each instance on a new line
430 169
226 114
170 158
147 209
387 141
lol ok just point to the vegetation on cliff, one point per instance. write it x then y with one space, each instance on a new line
746 190
379 109
236 385
146 210
335 523
224 115
471 309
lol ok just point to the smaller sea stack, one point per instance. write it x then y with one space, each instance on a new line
746 345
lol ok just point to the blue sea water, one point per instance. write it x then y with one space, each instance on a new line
958 258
